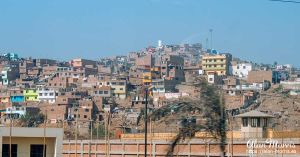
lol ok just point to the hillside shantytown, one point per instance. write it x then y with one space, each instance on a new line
185 100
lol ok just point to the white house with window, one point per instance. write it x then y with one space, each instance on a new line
15 112
254 124
46 95
241 69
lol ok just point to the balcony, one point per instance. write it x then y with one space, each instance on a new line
214 68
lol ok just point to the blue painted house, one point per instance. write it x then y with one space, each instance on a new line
17 98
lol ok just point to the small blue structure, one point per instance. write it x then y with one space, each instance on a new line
17 98
11 56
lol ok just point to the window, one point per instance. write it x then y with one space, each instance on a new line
100 92
238 67
105 92
36 150
121 88
245 122
85 116
5 150
51 94
40 94
86 110
46 94
96 92
255 122
265 122
244 67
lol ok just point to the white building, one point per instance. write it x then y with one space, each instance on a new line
15 112
241 69
47 95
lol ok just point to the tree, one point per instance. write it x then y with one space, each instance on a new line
32 120
209 105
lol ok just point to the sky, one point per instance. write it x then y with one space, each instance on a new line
256 30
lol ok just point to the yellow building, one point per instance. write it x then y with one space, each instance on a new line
5 99
150 75
30 95
216 63
119 88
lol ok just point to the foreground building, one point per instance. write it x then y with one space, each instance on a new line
27 142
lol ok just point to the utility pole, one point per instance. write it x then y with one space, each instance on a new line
76 130
44 146
231 128
10 132
91 137
146 133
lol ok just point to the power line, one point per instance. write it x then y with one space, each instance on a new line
286 1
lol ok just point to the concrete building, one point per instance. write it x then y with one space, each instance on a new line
217 63
15 112
84 112
46 95
30 142
102 91
259 76
254 124
55 113
59 82
45 62
240 69
171 67
17 98
118 87
9 74
30 95
79 62
214 78
4 98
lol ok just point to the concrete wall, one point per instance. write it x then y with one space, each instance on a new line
159 148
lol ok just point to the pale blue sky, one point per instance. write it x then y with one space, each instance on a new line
258 30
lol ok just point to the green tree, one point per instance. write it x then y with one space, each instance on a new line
31 120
